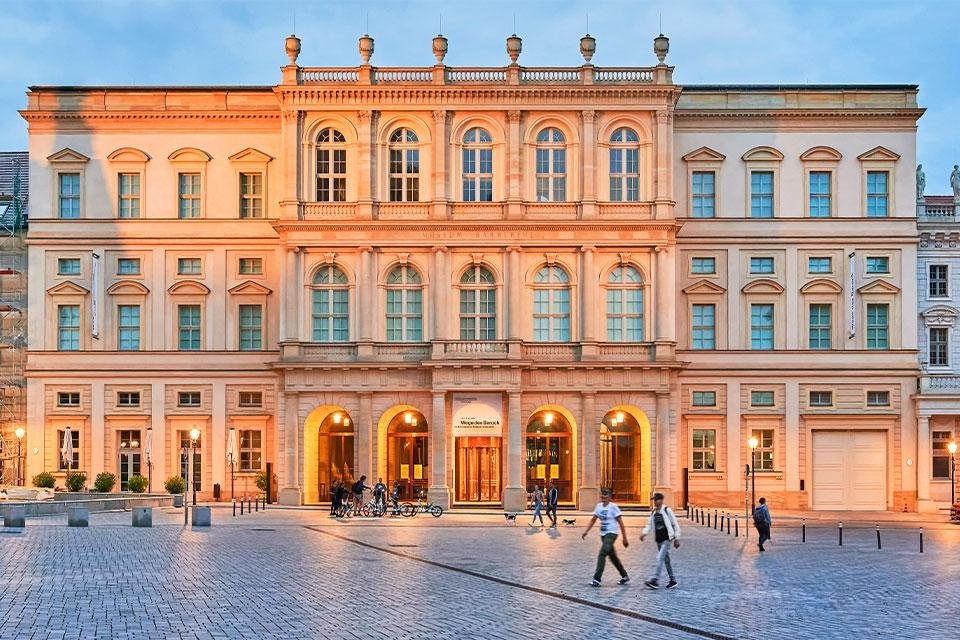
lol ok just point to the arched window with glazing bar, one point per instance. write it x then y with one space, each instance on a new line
330 311
331 166
404 166
551 165
477 166
625 305
551 305
624 166
404 305
478 304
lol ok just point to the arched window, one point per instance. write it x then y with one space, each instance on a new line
404 166
551 305
478 305
624 166
551 166
477 166
404 305
625 305
331 166
330 312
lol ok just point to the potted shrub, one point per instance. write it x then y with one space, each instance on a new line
137 483
261 480
104 482
44 480
176 485
76 481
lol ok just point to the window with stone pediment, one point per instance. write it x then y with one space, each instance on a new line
330 311
551 305
404 166
331 166
624 165
551 165
478 304
404 305
625 305
477 166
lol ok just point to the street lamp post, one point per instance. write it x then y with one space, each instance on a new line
19 433
952 448
753 442
194 436
149 452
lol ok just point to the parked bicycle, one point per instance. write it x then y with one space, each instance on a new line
408 509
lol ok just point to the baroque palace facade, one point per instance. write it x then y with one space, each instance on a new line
475 280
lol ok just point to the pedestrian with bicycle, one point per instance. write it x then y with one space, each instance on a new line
663 523
553 497
395 498
611 526
335 498
380 495
537 497
340 497
358 488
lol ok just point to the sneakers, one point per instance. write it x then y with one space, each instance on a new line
672 584
652 584
595 584
623 580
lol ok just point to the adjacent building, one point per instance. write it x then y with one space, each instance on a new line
472 281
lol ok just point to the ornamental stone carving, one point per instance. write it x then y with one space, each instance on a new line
921 181
514 47
439 48
366 48
955 182
292 48
513 116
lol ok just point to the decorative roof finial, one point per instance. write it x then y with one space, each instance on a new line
366 48
514 47
293 48
588 47
439 48
661 47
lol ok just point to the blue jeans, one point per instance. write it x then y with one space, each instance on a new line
536 513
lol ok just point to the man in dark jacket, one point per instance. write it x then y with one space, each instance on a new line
553 496
762 521
358 488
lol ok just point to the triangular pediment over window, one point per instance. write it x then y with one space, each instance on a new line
68 288
762 153
67 155
189 154
189 287
128 287
763 285
704 154
821 153
250 155
879 153
879 286
704 286
821 285
128 154
249 287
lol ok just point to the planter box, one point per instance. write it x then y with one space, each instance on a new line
177 500
15 516
143 517
200 516
78 517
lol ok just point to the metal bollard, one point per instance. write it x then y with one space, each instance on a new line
234 501
708 519
256 503
803 529
728 524
723 516
241 505
878 535
921 539
714 519
840 530
736 528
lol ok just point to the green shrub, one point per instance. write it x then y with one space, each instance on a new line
262 480
104 482
76 481
137 483
175 484
44 480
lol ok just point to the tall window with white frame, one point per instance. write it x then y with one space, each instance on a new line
128 195
69 195
404 305
703 326
763 454
938 281
551 305
704 449
330 312
938 347
404 166
75 441
878 194
761 194
761 327
477 169
189 195
820 194
624 166
251 195
625 305
478 304
188 327
940 469
878 326
251 450
704 192
331 166
128 336
68 327
251 327
820 326
551 165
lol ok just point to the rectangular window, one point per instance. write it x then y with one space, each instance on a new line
878 194
704 194
821 398
878 264
704 449
128 398
938 281
251 327
763 454
703 265
68 327
189 195
250 450
878 398
821 334
128 266
761 194
69 195
75 441
761 265
251 398
939 347
128 338
704 398
819 194
251 266
761 327
188 327
189 266
941 455
188 399
878 326
68 266
251 195
68 398
761 398
128 195
819 265
704 326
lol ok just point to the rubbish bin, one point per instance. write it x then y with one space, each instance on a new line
216 492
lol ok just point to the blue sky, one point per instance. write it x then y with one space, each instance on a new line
153 42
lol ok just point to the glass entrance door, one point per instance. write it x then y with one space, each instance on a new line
478 470
548 458
617 459
129 451
184 460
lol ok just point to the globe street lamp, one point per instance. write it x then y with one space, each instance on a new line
753 442
952 448
19 433
194 436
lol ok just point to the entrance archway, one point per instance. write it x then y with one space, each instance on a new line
408 453
550 452
328 452
625 454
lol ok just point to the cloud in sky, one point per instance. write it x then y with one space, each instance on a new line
176 42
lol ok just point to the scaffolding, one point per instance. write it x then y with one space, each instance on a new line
13 321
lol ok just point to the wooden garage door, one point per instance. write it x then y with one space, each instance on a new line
849 470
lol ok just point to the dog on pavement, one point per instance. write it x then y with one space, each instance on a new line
511 517
569 521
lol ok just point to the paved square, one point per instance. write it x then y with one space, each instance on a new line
299 574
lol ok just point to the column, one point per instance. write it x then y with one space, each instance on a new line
589 493
440 162
366 295
218 434
589 295
366 162
923 464
29 463
364 436
664 483
440 287
439 491
290 491
290 165
734 466
514 494
664 293
290 290
792 442
158 421
514 186
514 289
795 312
97 433
589 151
663 163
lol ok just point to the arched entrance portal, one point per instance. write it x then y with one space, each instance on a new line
550 453
625 454
408 454
328 452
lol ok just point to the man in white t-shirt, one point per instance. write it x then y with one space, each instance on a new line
611 526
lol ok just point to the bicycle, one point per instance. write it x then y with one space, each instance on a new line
408 510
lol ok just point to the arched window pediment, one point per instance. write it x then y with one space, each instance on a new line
128 287
188 287
189 154
821 153
762 154
941 315
128 154
763 285
821 285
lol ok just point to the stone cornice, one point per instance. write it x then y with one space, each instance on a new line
40 116
492 225
686 114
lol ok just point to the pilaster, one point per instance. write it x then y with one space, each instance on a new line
589 150
440 162
514 494
439 491
589 493
514 161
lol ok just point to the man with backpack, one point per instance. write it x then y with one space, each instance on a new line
380 496
666 530
553 497
762 521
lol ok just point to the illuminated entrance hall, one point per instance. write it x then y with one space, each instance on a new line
408 454
549 453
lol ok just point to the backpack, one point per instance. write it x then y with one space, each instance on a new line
758 518
358 487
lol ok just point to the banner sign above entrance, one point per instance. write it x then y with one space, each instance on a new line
477 414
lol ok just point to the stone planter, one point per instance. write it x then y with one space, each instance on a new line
200 516
292 48
178 500
15 516
588 47
143 517
78 517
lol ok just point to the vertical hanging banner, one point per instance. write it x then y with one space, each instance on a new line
852 294
94 297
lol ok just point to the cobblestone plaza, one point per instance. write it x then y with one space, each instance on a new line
299 574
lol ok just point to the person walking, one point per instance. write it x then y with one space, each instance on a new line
762 521
666 530
537 505
553 497
611 526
